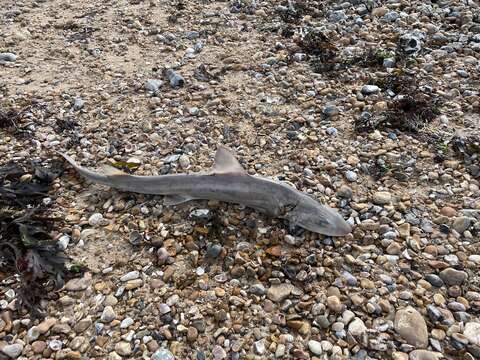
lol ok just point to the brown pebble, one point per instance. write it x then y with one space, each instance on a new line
168 273
448 211
38 346
153 346
192 334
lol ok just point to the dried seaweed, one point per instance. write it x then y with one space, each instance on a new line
26 247
410 111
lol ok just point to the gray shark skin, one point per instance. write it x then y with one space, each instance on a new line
228 182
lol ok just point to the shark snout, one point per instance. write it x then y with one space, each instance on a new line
340 227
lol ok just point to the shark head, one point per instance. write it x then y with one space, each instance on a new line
313 216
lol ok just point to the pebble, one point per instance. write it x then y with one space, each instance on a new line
382 198
123 348
95 219
162 354
219 353
370 89
424 355
345 192
472 332
461 223
259 347
39 346
332 131
8 57
79 284
78 104
357 327
453 277
278 293
351 176
153 85
108 314
334 304
315 347
132 275
126 323
411 326
13 351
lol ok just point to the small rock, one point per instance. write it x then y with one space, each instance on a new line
351 176
461 223
132 275
46 325
448 211
108 314
79 284
123 348
162 354
82 325
334 303
411 326
278 293
153 85
315 347
357 327
78 104
13 351
259 347
258 289
370 89
404 230
424 355
345 192
8 57
453 277
332 131
39 346
472 333
126 323
382 198
218 353
95 219
192 334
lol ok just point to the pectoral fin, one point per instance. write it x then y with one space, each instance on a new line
111 171
225 162
176 199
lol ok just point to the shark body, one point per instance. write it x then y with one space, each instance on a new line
228 182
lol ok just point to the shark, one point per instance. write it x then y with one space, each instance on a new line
227 181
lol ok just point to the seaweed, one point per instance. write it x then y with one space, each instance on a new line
410 111
27 250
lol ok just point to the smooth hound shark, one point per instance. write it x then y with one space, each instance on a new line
228 181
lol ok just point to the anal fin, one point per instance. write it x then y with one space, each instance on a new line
176 199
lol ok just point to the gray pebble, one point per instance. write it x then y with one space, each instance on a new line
332 131
351 176
132 275
78 104
153 85
8 57
13 351
108 314
162 354
370 89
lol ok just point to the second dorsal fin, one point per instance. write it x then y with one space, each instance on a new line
225 162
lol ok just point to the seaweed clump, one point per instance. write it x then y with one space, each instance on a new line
410 111
28 254
321 50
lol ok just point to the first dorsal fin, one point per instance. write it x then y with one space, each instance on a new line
110 170
225 162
